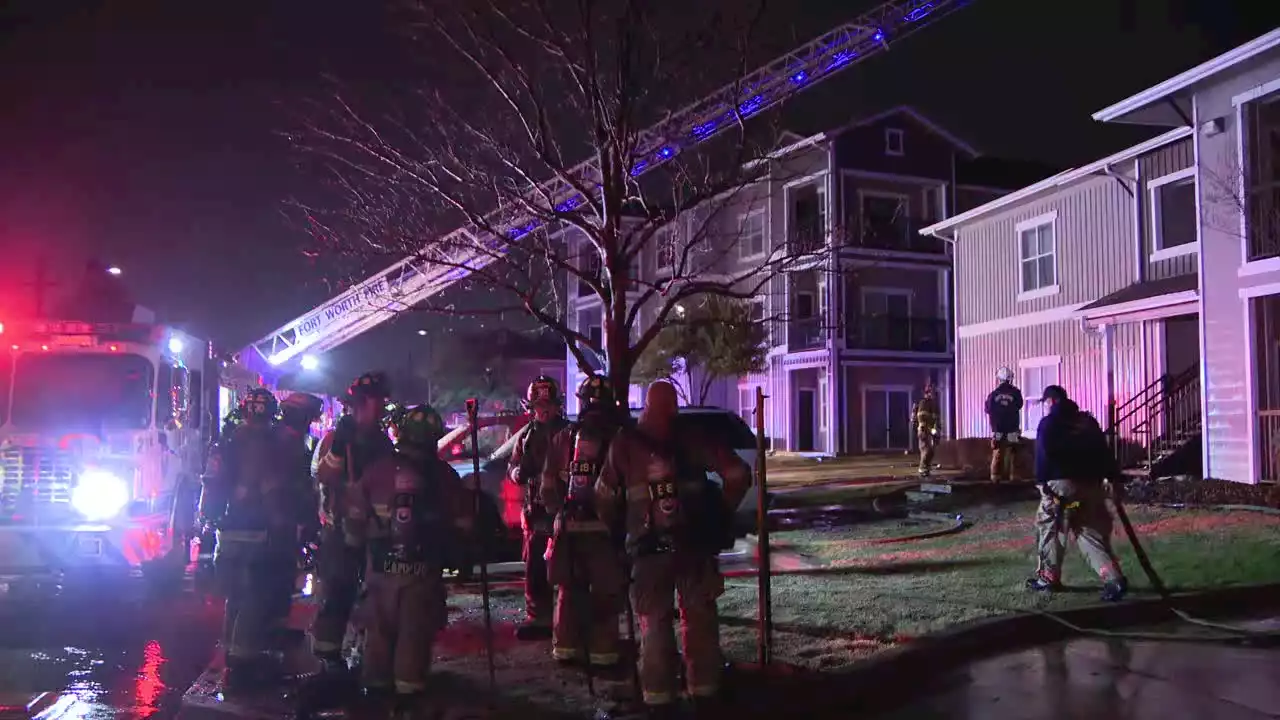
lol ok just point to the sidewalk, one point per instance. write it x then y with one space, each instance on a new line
1105 679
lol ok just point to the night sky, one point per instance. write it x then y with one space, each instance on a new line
146 132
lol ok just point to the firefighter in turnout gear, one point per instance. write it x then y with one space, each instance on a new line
407 509
1073 459
927 419
253 498
677 521
297 413
1004 412
355 444
583 560
543 402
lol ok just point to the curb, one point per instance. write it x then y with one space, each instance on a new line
926 659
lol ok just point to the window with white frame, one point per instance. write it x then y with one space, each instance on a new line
590 324
1037 256
894 142
751 234
665 242
1173 213
1037 374
747 405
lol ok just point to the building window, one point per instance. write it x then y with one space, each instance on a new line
665 240
1037 254
1261 196
589 324
1173 214
747 405
804 308
893 142
751 234
1037 374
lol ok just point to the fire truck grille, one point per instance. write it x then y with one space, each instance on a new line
32 478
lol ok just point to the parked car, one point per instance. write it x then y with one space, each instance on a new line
501 502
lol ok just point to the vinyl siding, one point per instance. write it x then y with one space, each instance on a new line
1081 368
1152 166
858 377
1094 246
1230 428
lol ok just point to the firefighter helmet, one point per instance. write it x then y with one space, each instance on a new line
302 406
544 390
370 385
1004 375
421 426
259 403
595 392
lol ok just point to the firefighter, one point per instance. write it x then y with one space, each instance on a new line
927 418
359 438
1073 460
543 401
1004 412
250 501
297 413
407 509
584 562
654 484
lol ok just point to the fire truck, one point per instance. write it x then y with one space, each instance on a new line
103 432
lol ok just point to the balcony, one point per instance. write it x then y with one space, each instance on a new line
897 236
1264 222
802 241
806 334
897 334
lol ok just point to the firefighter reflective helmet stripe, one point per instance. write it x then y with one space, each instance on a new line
594 392
542 391
259 402
305 405
370 385
1004 375
585 467
421 426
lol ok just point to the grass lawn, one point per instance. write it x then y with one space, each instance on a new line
885 593
872 595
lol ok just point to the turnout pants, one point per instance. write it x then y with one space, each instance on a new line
1080 511
1002 456
588 575
402 616
538 594
256 577
690 581
928 443
338 570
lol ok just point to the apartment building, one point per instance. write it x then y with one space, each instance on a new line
1146 282
862 324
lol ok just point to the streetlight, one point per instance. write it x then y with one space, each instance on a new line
113 270
310 362
422 333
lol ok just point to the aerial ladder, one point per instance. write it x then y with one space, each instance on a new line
414 279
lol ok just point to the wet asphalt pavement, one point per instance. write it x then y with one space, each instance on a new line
111 652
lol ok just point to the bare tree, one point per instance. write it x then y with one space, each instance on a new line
549 83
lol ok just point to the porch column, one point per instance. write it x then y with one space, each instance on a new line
1108 373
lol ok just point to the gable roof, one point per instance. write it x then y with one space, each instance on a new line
1057 182
1140 109
915 115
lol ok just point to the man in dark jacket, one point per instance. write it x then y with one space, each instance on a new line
1004 412
1072 461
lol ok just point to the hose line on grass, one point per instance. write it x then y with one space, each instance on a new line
1145 562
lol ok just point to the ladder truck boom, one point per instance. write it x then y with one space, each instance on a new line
410 281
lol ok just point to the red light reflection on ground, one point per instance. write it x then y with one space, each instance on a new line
148 686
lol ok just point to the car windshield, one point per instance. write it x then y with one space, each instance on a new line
82 391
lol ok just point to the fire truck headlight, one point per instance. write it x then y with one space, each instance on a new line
99 494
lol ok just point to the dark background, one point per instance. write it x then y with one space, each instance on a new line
146 132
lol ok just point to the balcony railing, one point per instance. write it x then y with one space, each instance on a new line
1264 222
806 334
901 334
806 240
899 236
